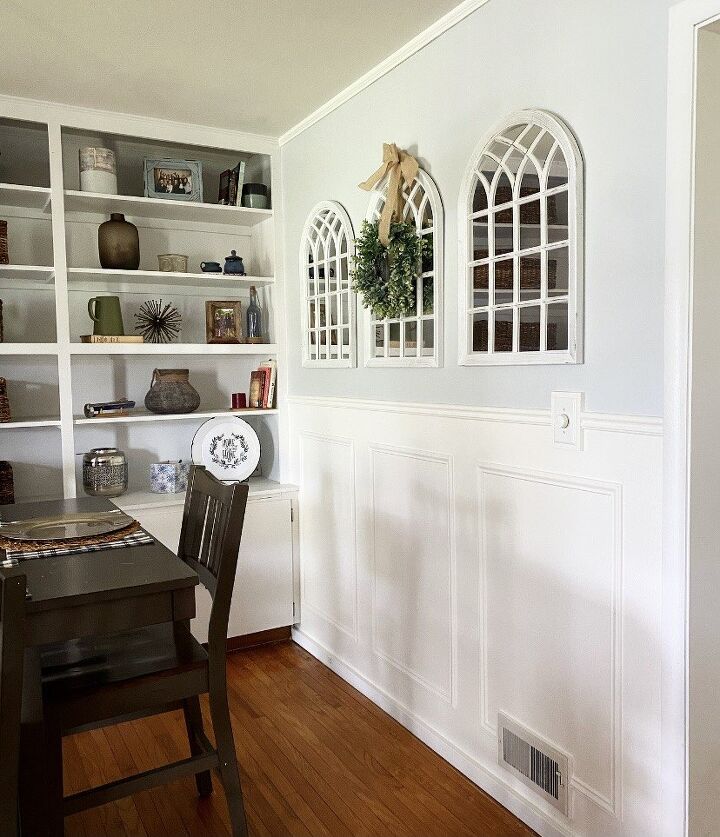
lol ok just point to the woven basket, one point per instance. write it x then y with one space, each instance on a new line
529 212
4 401
7 486
4 255
529 336
529 274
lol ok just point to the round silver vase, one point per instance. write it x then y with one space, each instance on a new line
105 472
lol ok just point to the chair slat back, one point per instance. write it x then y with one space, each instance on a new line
12 650
210 539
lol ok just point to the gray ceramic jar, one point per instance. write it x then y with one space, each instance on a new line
171 392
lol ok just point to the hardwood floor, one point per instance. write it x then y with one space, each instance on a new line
317 758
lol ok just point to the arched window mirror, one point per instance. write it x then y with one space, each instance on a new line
521 245
326 251
415 339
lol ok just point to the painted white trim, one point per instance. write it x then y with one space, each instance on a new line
485 777
421 40
638 425
684 21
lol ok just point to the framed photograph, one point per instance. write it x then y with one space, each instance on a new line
174 180
223 322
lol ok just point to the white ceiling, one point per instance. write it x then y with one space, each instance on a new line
255 65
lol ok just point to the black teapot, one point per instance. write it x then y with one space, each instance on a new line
234 264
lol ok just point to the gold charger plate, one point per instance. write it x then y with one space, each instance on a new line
65 526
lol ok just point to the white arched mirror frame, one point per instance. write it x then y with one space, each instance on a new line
430 197
327 221
575 246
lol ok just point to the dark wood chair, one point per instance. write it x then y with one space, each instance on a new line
12 650
101 681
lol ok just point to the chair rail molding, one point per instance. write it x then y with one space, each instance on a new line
608 422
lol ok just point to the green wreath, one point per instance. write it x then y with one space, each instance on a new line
386 277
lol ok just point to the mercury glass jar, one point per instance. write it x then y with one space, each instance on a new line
105 472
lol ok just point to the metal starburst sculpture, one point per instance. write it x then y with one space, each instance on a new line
156 323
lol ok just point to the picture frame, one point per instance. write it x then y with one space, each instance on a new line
173 180
223 321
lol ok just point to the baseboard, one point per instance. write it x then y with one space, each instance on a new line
240 643
465 763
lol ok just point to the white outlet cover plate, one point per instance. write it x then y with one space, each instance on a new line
566 409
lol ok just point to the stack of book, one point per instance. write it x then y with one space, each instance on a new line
262 386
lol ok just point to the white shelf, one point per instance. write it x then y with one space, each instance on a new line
260 487
33 273
26 197
29 423
28 349
171 210
144 416
172 349
201 281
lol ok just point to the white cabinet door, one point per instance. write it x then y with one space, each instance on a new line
263 594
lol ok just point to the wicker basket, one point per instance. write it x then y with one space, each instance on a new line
529 274
4 401
529 212
7 485
4 255
529 336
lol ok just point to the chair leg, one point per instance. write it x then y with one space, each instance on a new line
41 798
228 762
193 722
34 804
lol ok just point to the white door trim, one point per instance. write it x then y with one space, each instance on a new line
684 21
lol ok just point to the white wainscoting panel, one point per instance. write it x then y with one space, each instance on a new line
328 578
492 570
551 566
413 565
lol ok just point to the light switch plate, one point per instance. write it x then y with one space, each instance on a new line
566 409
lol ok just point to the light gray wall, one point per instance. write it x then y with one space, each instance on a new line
602 68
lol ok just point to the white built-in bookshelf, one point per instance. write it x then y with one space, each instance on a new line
54 270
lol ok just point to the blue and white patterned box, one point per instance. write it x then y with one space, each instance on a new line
169 477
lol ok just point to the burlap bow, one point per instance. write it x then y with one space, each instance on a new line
401 166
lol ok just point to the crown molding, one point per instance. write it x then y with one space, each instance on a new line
460 12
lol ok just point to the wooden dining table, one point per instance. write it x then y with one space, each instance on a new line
84 595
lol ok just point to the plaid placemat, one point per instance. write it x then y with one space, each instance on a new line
17 551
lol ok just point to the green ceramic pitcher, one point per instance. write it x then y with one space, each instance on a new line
105 313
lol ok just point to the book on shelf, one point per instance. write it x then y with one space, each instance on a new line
269 367
255 397
231 183
262 386
111 338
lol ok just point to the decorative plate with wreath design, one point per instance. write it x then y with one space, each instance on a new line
228 447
